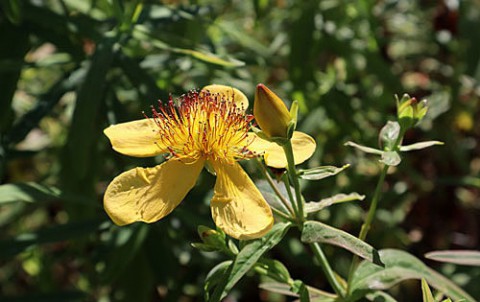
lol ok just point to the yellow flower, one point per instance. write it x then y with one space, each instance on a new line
205 128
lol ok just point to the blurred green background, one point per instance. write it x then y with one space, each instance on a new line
70 68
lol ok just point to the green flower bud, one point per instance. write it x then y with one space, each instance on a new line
271 113
212 239
410 111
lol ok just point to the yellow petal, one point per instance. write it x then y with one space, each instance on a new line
238 208
149 194
238 96
303 147
138 138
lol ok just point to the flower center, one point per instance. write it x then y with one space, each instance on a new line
204 125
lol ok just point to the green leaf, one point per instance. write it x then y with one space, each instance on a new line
247 257
12 246
364 148
380 296
216 276
30 192
44 105
312 206
419 146
143 33
389 134
27 192
12 10
399 266
315 231
271 197
321 172
391 158
273 269
426 292
286 290
80 151
300 288
463 257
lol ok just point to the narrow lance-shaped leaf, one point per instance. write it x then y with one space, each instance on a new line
216 276
419 146
463 257
321 172
315 231
141 32
315 206
287 290
80 151
30 192
247 258
364 148
400 266
426 292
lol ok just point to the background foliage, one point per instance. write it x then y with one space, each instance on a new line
70 68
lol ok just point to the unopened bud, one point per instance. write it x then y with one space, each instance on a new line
271 113
212 238
410 111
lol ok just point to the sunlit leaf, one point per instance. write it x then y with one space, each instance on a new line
273 269
389 134
321 172
364 148
315 231
142 32
419 146
463 257
391 158
380 296
30 192
286 290
247 257
315 206
215 277
426 292
400 266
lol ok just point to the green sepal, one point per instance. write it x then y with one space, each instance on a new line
203 247
294 112
276 139
213 239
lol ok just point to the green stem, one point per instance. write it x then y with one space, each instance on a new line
286 181
282 214
317 250
296 184
327 269
285 203
373 206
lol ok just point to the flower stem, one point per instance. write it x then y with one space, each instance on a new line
296 184
286 182
327 269
317 249
373 206
368 220
287 206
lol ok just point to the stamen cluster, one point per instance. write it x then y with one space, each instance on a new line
204 125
